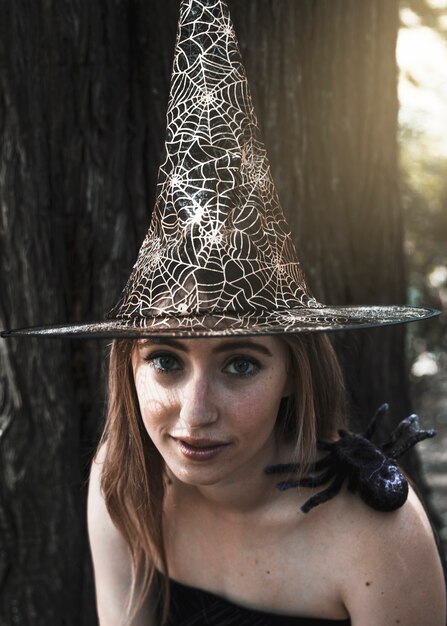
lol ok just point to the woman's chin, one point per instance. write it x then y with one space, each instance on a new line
194 477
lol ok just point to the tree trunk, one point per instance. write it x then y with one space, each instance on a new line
328 107
84 88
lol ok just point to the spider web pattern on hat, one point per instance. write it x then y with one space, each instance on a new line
218 241
219 257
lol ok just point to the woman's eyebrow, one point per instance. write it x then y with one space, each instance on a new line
225 346
143 343
239 345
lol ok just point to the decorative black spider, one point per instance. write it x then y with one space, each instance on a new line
370 470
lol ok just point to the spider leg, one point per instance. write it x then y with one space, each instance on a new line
284 468
409 433
308 481
288 484
322 464
412 441
320 479
325 495
293 468
401 428
380 413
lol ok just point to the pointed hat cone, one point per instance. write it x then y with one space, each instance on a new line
218 241
219 257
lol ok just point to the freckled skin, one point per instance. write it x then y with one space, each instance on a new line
201 395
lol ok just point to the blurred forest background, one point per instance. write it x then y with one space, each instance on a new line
361 176
422 58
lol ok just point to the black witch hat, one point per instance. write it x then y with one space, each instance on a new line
219 257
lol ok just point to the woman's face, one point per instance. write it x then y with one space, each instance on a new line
210 405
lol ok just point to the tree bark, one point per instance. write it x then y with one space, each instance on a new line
328 107
84 88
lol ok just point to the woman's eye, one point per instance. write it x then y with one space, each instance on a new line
242 367
164 362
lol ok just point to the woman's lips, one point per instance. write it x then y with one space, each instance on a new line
200 449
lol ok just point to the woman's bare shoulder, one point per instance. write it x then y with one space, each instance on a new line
410 518
97 510
392 570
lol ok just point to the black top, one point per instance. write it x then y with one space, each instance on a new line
190 606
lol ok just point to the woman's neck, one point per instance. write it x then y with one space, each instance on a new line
249 490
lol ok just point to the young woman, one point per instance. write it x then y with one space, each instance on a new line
220 369
179 486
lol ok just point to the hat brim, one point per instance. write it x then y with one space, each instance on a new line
298 320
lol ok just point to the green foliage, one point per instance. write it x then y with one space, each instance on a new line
424 199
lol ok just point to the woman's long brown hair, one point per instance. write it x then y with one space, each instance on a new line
132 478
133 474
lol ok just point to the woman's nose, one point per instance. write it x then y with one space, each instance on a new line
198 407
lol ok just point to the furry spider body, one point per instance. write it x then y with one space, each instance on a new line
370 470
